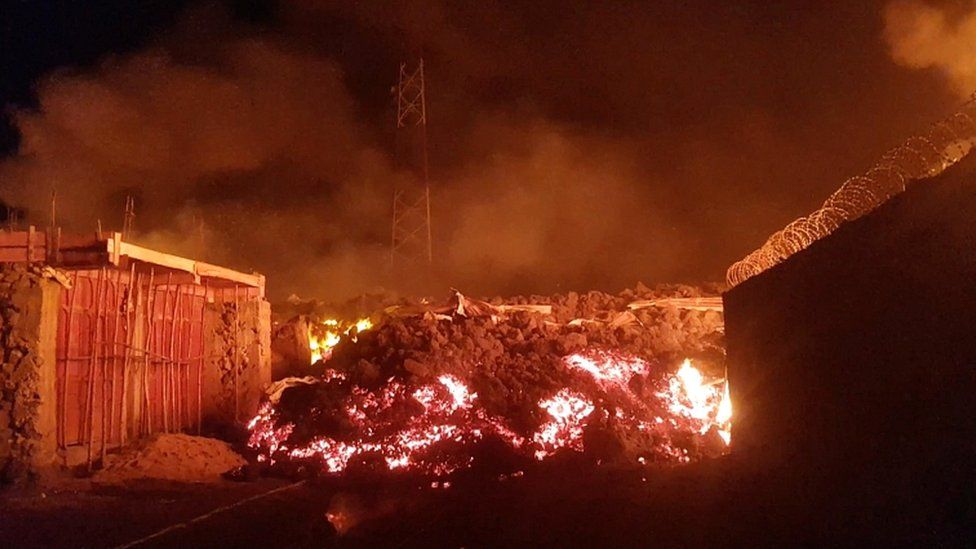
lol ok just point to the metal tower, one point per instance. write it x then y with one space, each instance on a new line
410 250
128 217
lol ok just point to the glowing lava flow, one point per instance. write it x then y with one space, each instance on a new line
430 427
567 410
448 417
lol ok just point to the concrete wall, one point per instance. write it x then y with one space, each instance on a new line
852 365
29 311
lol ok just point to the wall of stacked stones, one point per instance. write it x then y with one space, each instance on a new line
28 329
238 369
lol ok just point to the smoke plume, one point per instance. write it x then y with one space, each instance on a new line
570 149
922 35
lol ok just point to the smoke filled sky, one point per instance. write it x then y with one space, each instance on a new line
573 145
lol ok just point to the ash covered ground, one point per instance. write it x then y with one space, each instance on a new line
499 385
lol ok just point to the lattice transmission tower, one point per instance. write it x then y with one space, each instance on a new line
128 217
411 252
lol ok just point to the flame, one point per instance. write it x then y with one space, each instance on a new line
325 335
362 325
703 404
724 416
402 426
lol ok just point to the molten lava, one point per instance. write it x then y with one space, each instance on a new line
432 427
564 429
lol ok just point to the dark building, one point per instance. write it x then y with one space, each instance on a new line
852 366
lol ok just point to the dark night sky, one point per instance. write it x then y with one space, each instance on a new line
704 126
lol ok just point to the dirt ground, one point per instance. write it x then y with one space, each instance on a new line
569 505
82 513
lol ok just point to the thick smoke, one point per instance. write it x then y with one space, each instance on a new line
570 149
922 35
251 157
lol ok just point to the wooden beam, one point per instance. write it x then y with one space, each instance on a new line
690 303
198 269
117 249
217 272
87 251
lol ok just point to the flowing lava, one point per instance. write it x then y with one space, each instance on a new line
431 427
325 335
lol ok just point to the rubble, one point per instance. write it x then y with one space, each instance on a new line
511 355
497 336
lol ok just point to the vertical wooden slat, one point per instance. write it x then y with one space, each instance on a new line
30 243
168 354
174 356
108 400
186 328
147 353
190 319
89 405
131 299
63 400
202 362
237 355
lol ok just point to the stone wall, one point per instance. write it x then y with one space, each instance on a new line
238 349
28 330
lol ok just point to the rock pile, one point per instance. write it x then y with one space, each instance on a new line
512 354
514 359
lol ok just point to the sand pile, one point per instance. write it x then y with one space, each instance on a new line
175 457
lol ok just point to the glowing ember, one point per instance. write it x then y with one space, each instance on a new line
607 369
426 427
567 410
459 391
448 417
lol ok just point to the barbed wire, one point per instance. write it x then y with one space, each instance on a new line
942 145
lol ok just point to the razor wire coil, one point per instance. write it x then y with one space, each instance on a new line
940 146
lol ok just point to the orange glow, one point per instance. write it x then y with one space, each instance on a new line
325 335
704 405
564 429
400 425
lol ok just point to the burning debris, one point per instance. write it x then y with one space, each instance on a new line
433 389
325 335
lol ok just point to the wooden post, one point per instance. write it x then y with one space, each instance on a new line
168 356
203 360
108 400
63 397
30 243
237 355
186 328
147 352
131 298
174 345
89 405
